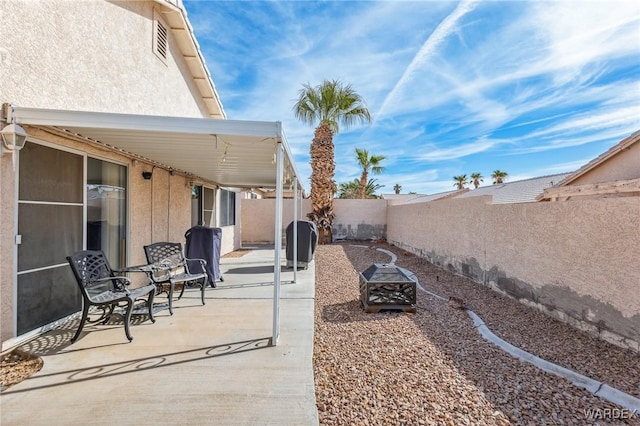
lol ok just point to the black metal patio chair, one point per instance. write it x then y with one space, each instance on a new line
107 292
173 268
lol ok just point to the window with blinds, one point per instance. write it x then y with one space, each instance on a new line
227 208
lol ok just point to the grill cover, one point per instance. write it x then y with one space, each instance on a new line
204 243
307 242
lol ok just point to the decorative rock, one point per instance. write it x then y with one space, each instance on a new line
432 367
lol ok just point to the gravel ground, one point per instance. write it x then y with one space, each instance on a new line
17 366
434 368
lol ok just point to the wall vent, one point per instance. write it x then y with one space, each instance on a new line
160 39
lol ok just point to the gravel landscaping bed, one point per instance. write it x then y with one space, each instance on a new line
433 367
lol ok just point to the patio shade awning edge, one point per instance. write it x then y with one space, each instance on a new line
234 153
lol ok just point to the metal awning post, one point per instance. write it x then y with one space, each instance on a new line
278 246
295 228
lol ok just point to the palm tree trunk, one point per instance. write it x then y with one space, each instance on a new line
322 184
362 190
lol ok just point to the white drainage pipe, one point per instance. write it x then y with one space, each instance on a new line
595 387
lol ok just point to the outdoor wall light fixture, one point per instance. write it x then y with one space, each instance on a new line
13 137
224 156
273 159
147 175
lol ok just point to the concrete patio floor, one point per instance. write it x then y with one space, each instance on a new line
209 364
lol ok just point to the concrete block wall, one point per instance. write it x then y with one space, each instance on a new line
360 219
258 218
575 260
355 219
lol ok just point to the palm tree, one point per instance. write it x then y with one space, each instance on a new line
397 188
499 176
325 106
368 162
460 181
476 179
351 189
371 188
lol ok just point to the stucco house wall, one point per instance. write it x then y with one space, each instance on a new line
624 165
576 260
258 218
354 219
7 246
92 55
95 55
158 210
230 238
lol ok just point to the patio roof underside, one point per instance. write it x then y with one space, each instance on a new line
231 153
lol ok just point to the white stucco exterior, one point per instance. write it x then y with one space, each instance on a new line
92 55
98 55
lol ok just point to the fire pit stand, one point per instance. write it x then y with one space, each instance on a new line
384 286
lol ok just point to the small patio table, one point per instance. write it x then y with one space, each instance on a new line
149 269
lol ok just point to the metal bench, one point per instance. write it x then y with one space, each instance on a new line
105 291
172 268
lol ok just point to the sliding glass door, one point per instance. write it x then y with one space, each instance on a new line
50 222
52 216
107 210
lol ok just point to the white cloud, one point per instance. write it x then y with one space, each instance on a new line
452 88
431 153
567 167
441 32
411 182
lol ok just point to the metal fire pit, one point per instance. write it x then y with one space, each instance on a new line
385 286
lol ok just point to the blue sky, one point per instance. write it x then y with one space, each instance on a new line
530 88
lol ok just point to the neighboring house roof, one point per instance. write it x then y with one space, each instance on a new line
421 198
175 15
438 196
614 150
400 197
522 191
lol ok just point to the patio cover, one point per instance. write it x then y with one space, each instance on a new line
231 153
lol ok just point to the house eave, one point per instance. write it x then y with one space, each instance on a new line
175 14
616 188
614 150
